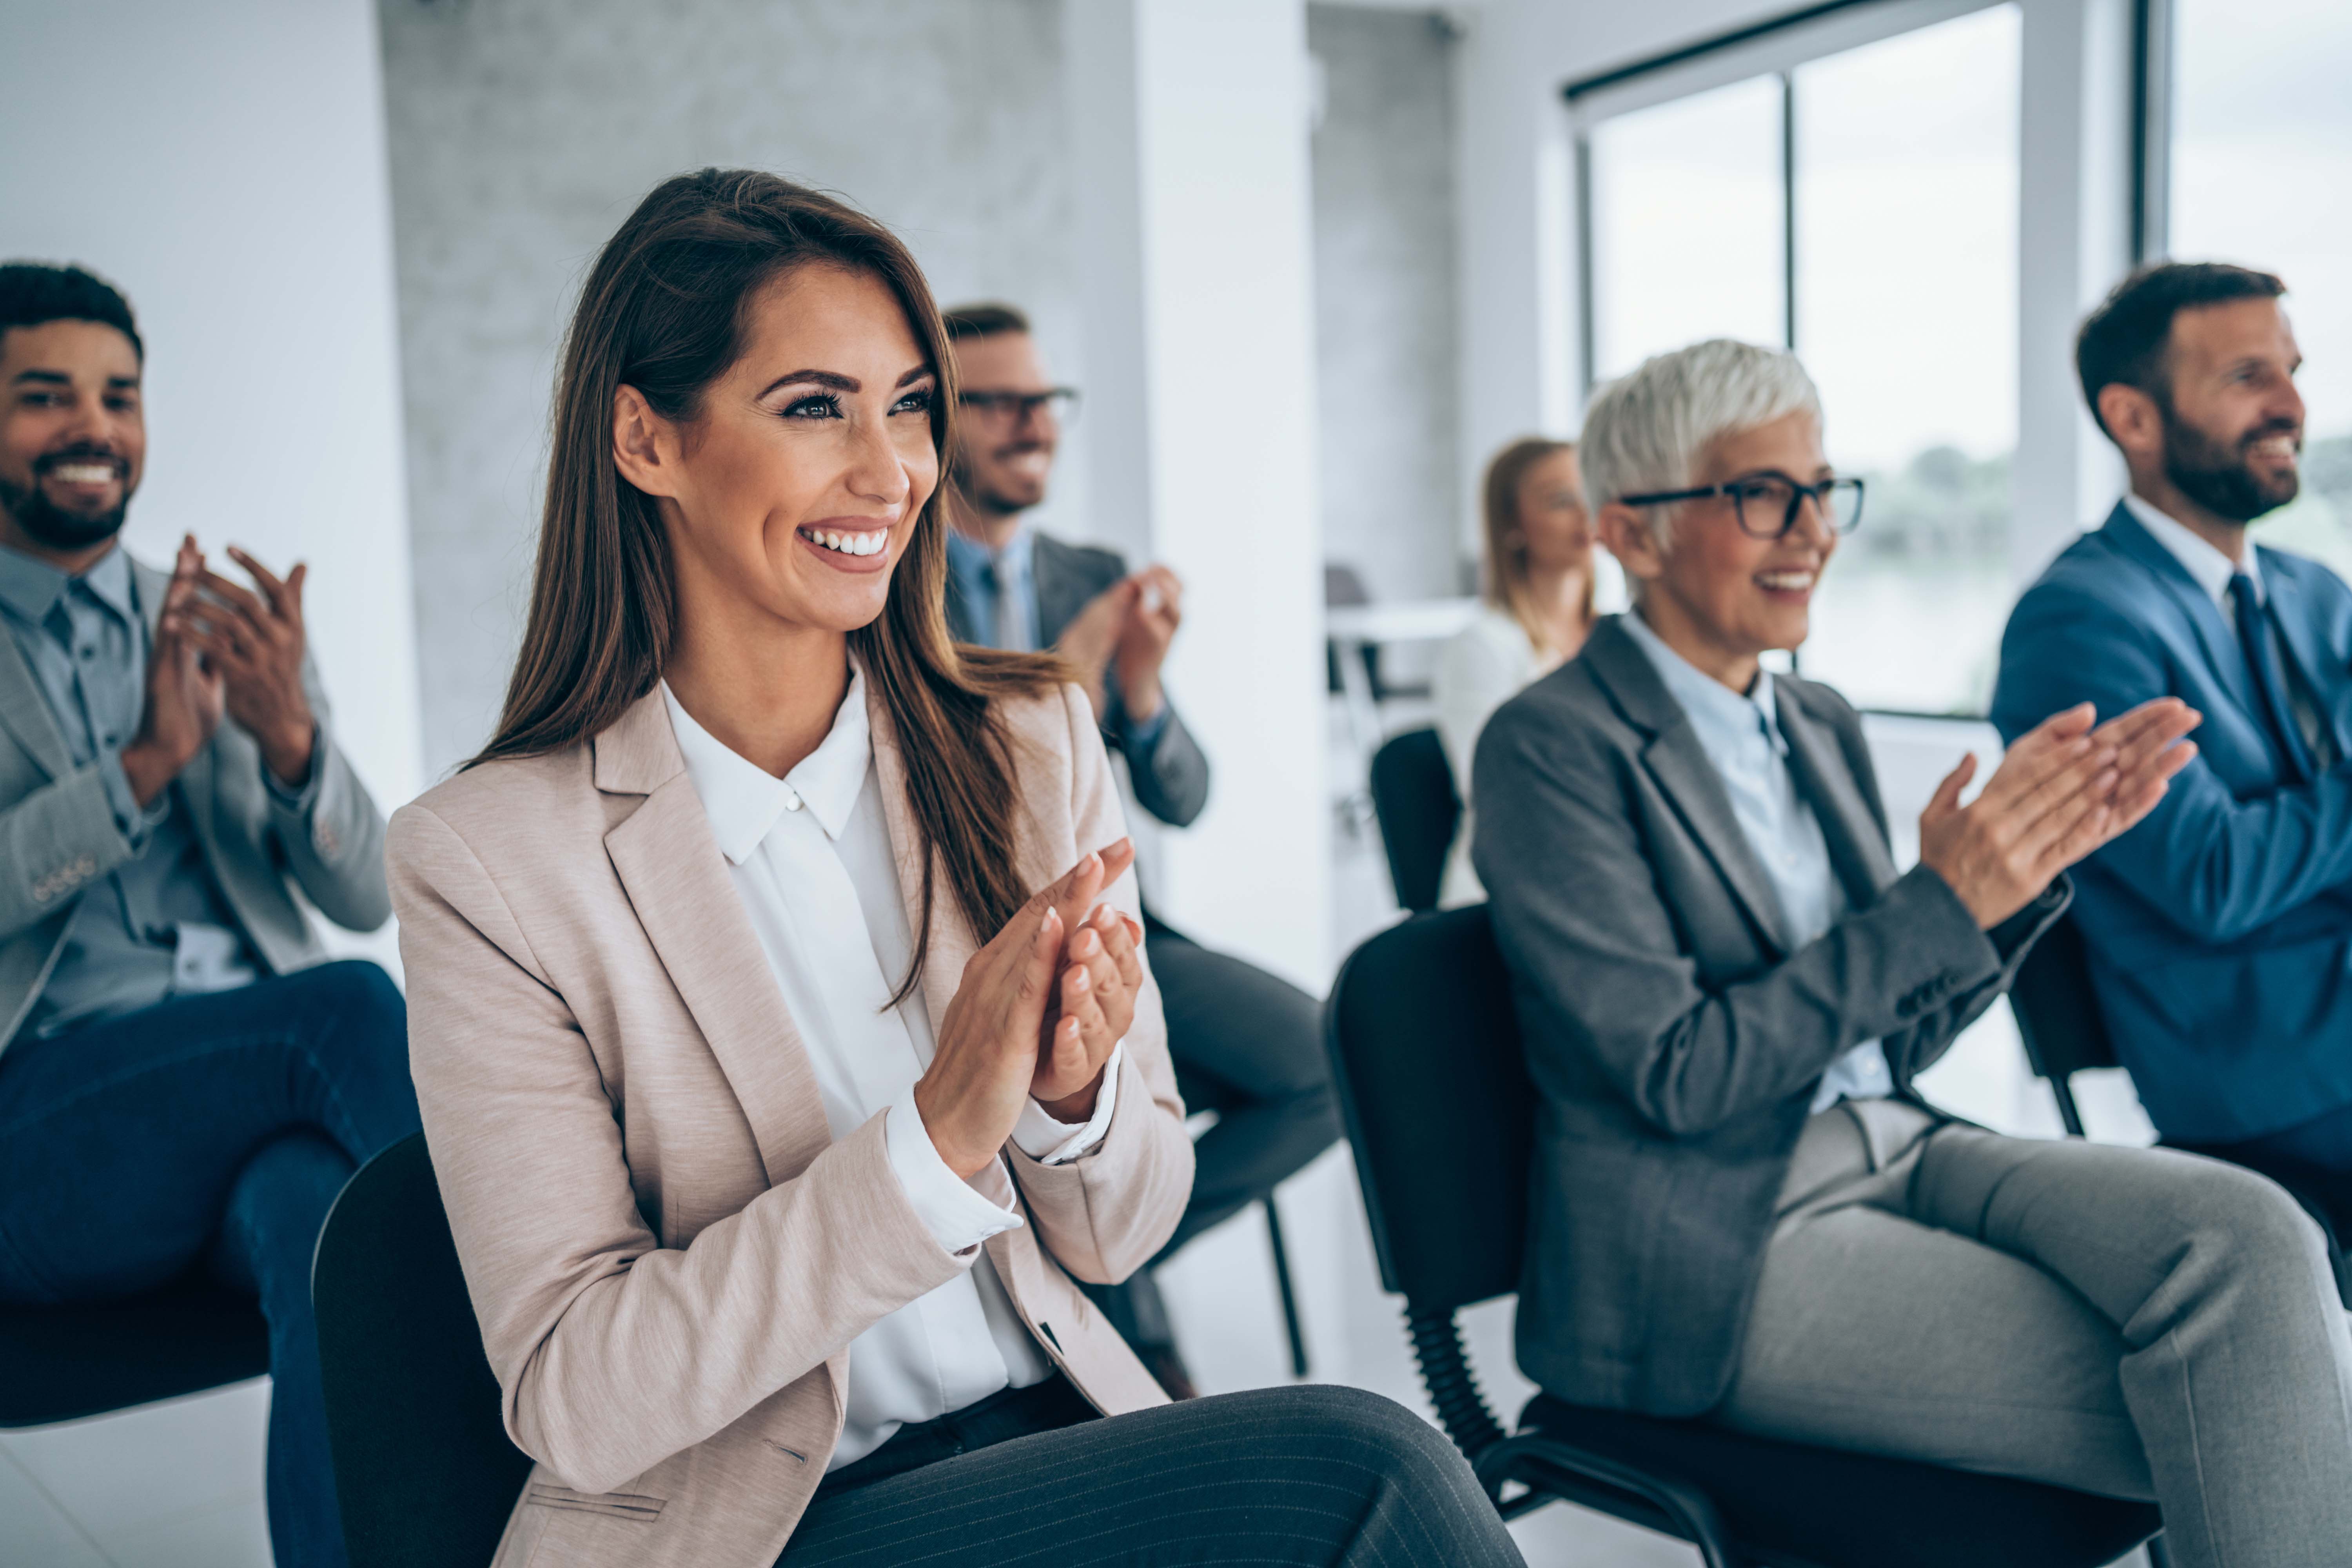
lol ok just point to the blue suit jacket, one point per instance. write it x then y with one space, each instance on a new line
2220 928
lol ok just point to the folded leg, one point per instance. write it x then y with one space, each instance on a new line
1283 1475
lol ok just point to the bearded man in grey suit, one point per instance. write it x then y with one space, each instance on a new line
1245 1043
184 1082
1741 1208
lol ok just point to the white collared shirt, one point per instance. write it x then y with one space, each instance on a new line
809 856
2209 567
2212 571
1742 736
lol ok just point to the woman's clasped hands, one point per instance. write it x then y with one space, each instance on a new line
2060 792
1036 1015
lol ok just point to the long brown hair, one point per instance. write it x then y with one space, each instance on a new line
1506 544
664 311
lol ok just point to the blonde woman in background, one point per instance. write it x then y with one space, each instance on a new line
1541 603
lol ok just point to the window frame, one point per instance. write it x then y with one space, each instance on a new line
2111 142
1775 47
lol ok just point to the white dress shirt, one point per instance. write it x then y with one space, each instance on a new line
1742 736
809 856
2212 572
1482 667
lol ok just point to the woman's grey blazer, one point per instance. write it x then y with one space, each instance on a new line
1675 1032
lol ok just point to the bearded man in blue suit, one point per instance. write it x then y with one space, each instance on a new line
2220 930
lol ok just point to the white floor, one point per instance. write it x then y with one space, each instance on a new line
179 1485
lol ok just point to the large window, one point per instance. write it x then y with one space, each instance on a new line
2261 164
1861 206
1689 224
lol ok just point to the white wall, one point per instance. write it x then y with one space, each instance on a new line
1199 113
225 167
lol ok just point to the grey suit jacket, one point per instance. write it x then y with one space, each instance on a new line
58 834
1171 780
1675 1032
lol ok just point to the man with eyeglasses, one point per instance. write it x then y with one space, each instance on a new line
1741 1208
2220 935
1246 1045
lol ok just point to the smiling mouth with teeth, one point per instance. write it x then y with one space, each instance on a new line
85 473
1787 581
865 541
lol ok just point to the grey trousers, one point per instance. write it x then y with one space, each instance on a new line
2135 1322
1328 1477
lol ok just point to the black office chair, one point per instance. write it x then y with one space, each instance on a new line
2059 1020
2058 1016
1425 1052
62 1363
423 1467
1419 813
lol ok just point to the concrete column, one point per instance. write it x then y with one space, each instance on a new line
2073 244
1191 127
1517 258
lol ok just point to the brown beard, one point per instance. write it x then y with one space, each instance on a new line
2215 475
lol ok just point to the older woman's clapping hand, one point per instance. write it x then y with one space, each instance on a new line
1037 1015
2060 792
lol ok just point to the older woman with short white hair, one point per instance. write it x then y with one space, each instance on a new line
1742 1208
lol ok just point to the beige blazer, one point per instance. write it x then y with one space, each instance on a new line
667 1253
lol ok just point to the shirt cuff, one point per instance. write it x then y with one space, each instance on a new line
299 801
1143 734
958 1217
133 821
1050 1141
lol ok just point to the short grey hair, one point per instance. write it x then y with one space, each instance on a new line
1647 431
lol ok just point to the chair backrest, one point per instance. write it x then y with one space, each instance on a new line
1419 813
423 1467
1425 1053
1344 586
62 1363
2057 1013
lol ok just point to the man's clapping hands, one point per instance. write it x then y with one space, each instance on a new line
222 648
1124 632
1037 1015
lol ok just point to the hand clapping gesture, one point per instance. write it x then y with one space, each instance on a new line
1127 627
222 648
184 695
2063 791
1037 1016
255 642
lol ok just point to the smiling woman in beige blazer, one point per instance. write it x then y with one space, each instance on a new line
785 1045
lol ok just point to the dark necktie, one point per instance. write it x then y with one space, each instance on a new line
2269 681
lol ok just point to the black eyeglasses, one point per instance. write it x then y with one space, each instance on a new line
1767 504
1015 408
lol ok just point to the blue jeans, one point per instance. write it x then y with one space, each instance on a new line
210 1131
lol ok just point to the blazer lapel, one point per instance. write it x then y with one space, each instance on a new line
1681 768
1847 822
678 883
2322 672
1062 589
2222 655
